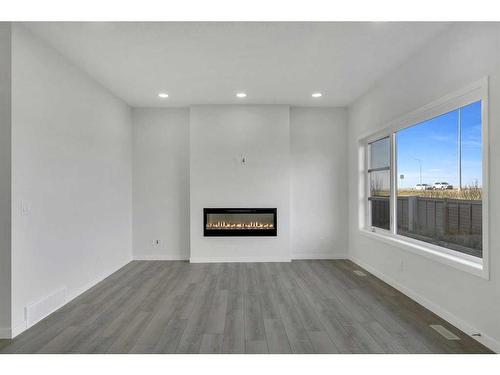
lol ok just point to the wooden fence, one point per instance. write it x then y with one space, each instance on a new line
438 219
380 212
440 215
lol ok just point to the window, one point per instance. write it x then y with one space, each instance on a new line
379 183
444 156
425 183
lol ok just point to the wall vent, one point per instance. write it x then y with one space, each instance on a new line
45 306
359 273
446 333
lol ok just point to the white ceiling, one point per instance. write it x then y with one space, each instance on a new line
207 63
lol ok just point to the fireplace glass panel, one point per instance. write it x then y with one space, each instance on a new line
240 222
237 221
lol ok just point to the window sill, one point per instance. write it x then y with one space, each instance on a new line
476 268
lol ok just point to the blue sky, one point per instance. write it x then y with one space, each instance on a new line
435 143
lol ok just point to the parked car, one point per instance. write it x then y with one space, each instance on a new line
423 187
442 186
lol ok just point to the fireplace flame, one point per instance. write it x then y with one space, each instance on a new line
252 225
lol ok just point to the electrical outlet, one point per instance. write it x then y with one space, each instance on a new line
155 243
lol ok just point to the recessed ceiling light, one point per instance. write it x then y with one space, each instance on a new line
241 95
317 95
163 95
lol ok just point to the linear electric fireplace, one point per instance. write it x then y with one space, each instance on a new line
239 222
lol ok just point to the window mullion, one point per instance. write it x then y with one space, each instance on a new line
367 187
393 185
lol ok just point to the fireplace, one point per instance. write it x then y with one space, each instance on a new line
239 222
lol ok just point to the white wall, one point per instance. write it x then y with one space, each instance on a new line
5 180
460 56
72 169
318 186
219 137
161 183
318 182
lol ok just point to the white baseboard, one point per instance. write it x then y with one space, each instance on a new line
73 294
5 333
160 257
20 328
238 259
39 309
464 326
298 256
69 296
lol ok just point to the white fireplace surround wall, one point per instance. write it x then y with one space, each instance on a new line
161 186
220 137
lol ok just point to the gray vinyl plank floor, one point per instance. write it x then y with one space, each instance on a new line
309 306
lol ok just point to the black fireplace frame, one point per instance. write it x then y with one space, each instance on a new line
272 232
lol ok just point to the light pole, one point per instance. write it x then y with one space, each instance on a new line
420 169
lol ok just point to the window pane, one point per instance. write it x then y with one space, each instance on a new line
440 188
380 183
380 154
472 147
379 199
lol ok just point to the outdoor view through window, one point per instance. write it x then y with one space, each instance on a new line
380 177
439 181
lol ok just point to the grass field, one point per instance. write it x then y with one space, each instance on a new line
468 193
